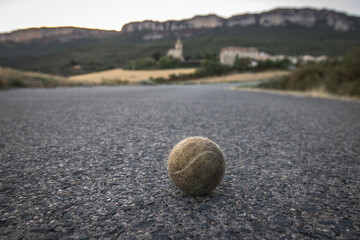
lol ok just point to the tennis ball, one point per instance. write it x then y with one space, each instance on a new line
196 165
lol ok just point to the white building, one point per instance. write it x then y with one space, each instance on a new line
229 54
308 58
176 52
322 58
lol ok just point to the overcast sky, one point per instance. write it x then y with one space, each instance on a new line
112 14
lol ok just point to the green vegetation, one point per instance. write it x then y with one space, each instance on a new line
212 67
143 64
339 77
209 67
113 82
69 60
167 63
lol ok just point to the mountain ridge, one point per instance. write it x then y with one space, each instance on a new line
62 34
277 17
154 30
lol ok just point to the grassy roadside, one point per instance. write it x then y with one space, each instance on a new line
312 93
10 78
338 79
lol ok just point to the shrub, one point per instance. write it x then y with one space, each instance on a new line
211 68
156 56
159 80
113 82
3 83
45 81
166 62
242 64
273 64
146 63
146 82
16 81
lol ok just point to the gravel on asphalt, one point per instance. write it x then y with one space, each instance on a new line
91 163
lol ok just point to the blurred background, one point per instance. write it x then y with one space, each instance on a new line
116 42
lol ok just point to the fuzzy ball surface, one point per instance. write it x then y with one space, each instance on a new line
196 165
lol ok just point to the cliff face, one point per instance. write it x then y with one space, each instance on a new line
156 30
278 17
307 18
210 21
60 34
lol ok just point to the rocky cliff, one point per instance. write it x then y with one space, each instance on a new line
209 21
60 34
278 17
157 30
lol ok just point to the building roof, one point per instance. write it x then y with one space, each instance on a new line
239 49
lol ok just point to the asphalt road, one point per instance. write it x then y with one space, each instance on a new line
91 163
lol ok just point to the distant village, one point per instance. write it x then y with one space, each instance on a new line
228 55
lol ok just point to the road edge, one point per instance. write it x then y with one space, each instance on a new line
311 94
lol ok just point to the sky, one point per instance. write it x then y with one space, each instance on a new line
113 14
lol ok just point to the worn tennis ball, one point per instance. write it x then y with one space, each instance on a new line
196 165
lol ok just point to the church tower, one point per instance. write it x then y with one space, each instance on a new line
176 52
178 45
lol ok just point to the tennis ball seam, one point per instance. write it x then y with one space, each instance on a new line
195 158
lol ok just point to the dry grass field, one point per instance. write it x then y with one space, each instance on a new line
129 76
133 77
241 77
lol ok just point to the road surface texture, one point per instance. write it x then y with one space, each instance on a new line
91 163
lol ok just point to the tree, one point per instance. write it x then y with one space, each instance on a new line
156 56
166 62
242 64
212 67
146 63
73 62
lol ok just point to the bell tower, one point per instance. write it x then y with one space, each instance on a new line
178 45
